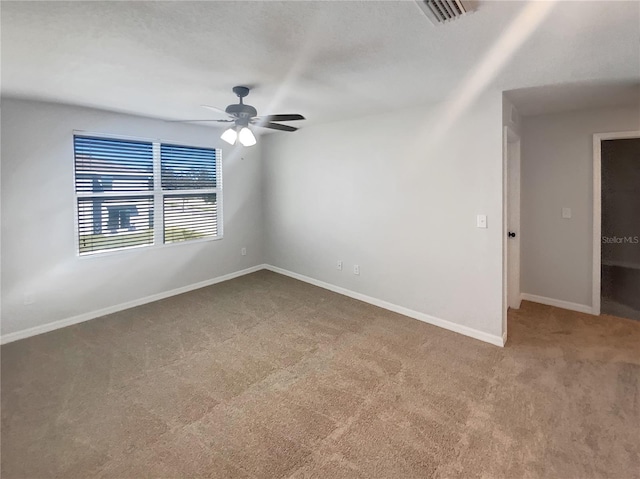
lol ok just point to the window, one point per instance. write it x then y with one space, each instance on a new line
138 193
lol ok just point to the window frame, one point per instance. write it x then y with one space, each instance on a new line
158 195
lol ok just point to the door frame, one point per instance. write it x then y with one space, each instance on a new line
598 138
507 133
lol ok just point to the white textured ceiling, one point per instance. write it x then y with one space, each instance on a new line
326 60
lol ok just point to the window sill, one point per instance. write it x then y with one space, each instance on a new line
130 249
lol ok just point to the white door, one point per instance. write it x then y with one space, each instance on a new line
513 218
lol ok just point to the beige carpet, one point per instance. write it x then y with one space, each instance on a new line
268 377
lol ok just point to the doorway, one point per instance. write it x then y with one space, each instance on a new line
511 230
616 272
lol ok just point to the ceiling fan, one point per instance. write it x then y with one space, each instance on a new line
244 115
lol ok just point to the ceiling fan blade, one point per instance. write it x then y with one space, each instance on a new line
217 110
286 117
275 126
192 121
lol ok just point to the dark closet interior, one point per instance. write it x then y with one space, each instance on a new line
620 292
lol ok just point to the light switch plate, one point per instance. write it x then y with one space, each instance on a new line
481 221
566 212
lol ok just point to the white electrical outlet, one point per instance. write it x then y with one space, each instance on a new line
243 251
481 221
339 265
356 269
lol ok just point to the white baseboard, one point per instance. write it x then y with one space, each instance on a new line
558 303
465 330
442 323
45 328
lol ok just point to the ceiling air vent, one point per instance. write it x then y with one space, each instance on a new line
442 11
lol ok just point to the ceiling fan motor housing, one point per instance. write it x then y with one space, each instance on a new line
242 112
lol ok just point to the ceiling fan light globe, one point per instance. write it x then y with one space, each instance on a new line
230 136
246 137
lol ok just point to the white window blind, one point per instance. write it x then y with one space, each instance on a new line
189 217
186 168
189 183
140 193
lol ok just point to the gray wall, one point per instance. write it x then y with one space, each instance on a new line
557 172
38 245
383 192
